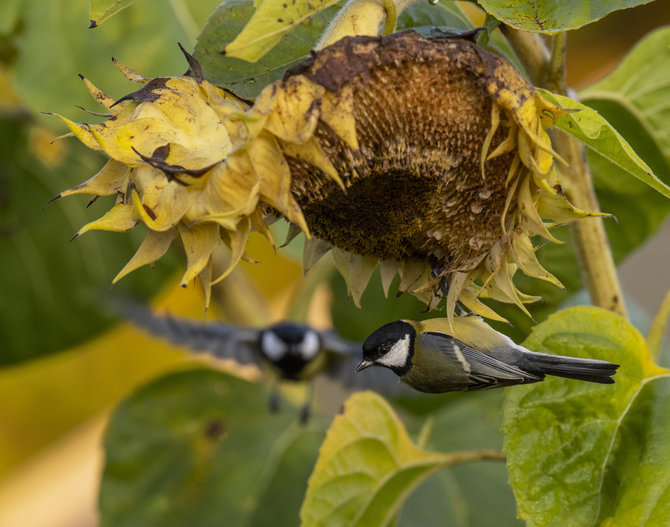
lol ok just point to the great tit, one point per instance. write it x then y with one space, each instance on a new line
291 351
427 357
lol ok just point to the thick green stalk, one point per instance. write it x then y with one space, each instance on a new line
593 250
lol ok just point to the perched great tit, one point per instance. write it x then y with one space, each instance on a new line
427 357
290 350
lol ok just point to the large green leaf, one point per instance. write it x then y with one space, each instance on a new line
52 289
201 448
589 454
272 21
597 133
101 10
244 78
367 466
550 16
454 497
640 90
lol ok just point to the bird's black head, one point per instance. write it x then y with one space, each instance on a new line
392 346
290 347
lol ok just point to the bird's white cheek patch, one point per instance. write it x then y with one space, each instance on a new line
397 355
272 346
309 346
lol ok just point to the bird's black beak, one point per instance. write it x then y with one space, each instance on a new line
363 364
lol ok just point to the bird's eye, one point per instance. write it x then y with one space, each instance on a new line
272 346
309 346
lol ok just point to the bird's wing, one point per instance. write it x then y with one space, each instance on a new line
483 369
224 341
343 358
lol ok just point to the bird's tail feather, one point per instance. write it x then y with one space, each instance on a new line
591 370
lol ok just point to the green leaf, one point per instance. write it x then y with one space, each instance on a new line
201 448
639 89
244 78
101 10
367 466
454 497
588 454
445 15
593 130
272 20
551 16
52 290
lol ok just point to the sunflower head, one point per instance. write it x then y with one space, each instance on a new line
428 155
167 144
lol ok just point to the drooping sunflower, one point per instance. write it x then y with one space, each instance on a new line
168 145
427 155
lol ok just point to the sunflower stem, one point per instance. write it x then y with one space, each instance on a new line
547 69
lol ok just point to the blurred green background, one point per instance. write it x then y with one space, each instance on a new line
65 360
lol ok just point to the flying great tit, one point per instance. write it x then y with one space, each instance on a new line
291 351
427 357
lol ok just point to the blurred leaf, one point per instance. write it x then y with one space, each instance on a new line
144 37
658 327
638 92
454 497
247 79
52 289
587 454
101 10
201 448
551 16
368 465
271 21
594 131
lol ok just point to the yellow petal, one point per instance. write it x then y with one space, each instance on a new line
410 274
199 242
294 109
337 111
342 260
111 179
102 98
360 271
311 152
81 131
528 218
456 284
553 205
154 246
160 204
130 73
231 186
471 302
523 253
117 219
237 242
388 269
206 282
